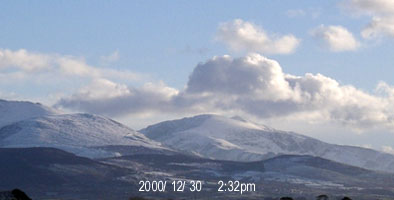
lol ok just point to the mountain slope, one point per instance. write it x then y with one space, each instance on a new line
48 173
13 111
287 174
82 134
235 139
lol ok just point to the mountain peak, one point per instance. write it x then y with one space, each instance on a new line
81 134
14 111
214 136
204 121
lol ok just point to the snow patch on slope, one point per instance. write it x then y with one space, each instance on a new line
76 133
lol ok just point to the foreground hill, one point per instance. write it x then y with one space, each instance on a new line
292 175
218 137
48 173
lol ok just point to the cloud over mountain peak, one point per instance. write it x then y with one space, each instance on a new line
252 85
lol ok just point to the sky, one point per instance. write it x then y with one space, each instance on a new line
320 68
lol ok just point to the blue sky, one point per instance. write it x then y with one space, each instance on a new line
167 39
158 44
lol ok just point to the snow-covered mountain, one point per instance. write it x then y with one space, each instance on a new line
13 111
26 124
236 139
82 134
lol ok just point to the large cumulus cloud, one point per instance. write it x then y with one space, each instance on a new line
251 85
258 86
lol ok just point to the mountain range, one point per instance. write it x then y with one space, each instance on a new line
50 155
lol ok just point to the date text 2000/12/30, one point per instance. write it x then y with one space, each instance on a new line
195 186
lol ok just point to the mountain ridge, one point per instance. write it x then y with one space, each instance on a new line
219 137
82 134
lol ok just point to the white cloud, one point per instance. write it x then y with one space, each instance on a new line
251 75
108 98
252 85
379 26
382 13
370 7
77 67
113 57
240 35
385 89
39 75
336 38
25 63
388 149
73 66
23 60
311 12
103 89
